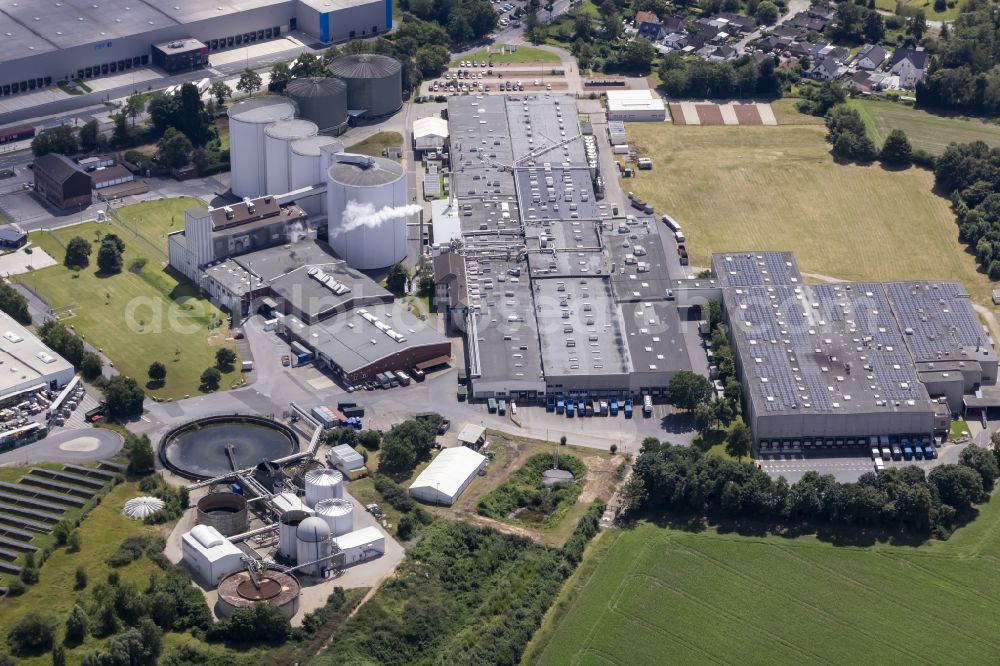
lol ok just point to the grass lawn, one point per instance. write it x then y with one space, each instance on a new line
756 188
523 55
375 144
927 5
135 317
786 113
957 428
153 220
925 130
101 533
702 596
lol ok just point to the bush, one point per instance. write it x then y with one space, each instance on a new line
123 396
33 634
141 459
77 253
16 587
210 379
91 366
14 304
260 623
80 578
393 493
133 547
77 626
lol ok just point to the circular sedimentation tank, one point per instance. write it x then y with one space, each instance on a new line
203 449
323 100
226 512
374 83
276 588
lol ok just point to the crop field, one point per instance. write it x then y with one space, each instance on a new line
656 595
141 315
925 130
757 188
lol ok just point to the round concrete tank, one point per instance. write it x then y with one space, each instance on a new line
338 514
247 120
366 214
278 140
307 161
226 512
288 526
374 83
322 484
323 100
240 590
314 547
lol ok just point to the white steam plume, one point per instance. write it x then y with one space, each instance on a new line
364 215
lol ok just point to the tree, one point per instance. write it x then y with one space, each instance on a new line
370 439
29 571
109 256
33 634
958 486
704 417
259 623
767 13
221 92
739 440
280 76
157 372
896 150
141 459
431 59
80 578
91 366
406 443
874 27
210 379
250 82
77 253
225 358
135 105
395 281
58 656
983 462
77 626
917 25
638 55
15 304
88 136
61 139
175 148
687 390
73 542
123 396
120 134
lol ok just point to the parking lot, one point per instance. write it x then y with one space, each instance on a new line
484 76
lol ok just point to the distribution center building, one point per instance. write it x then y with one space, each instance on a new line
43 43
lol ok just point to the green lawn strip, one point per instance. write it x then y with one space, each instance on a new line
375 144
925 130
524 55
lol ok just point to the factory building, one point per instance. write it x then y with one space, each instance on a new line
42 45
851 360
28 365
61 181
556 293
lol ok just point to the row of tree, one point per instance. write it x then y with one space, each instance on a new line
970 173
696 78
682 480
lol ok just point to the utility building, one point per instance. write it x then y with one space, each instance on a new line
447 476
209 555
61 181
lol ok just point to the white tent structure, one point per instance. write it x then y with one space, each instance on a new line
139 508
429 133
210 555
447 476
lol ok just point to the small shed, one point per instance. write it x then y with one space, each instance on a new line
12 236
346 459
361 545
209 555
472 436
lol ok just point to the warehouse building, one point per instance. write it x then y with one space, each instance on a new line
846 361
72 39
28 365
635 106
61 182
555 293
450 473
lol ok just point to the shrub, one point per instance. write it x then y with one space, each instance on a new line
210 379
33 634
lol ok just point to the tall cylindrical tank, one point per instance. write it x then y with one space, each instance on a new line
306 160
374 83
288 526
226 512
314 547
278 140
338 514
322 484
247 120
323 100
366 211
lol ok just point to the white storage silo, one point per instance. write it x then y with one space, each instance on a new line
288 526
314 546
338 515
278 139
307 164
247 120
366 210
323 484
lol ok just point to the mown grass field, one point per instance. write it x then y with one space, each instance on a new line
925 130
376 143
142 314
926 5
757 188
523 55
652 595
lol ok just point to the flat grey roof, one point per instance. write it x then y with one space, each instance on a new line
555 192
640 261
566 247
654 338
272 262
544 127
308 294
480 147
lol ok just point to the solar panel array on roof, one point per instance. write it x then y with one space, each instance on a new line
752 269
936 317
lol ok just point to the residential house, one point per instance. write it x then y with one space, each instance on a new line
804 21
676 41
717 53
826 69
822 11
909 65
673 24
760 56
768 44
859 82
647 24
738 23
870 57
788 31
799 49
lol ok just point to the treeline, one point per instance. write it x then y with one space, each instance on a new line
970 173
463 20
696 78
14 303
965 75
463 595
682 480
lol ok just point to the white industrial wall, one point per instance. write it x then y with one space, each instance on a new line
247 156
278 154
367 248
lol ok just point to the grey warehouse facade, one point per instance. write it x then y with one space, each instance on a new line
46 41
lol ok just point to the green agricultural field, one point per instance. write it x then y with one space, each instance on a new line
141 315
652 595
376 143
925 130
524 55
756 188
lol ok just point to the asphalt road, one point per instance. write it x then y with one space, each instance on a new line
72 446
